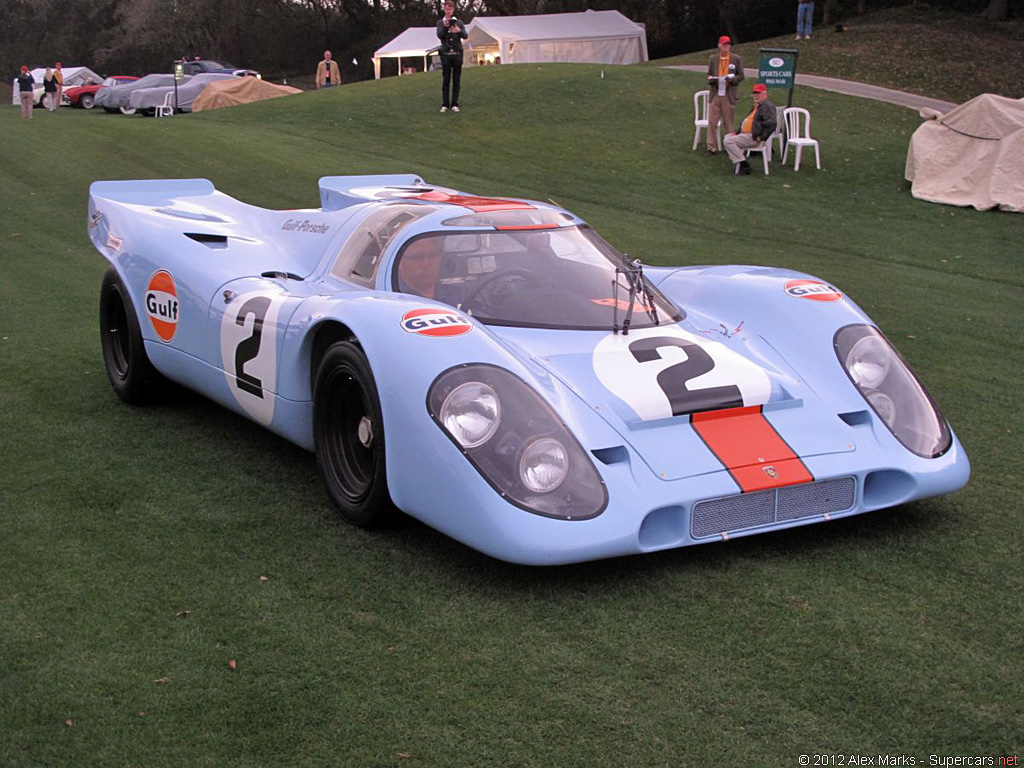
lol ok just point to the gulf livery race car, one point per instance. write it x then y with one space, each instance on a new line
495 369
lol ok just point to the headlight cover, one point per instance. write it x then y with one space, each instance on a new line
516 441
893 392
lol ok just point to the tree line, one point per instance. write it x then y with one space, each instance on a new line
285 38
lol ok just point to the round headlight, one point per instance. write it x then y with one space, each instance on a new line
544 465
471 413
868 362
883 405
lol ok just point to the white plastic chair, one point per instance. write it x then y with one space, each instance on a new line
766 153
700 119
780 128
798 139
167 108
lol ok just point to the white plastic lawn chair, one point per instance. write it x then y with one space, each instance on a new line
780 128
700 119
766 153
167 108
798 139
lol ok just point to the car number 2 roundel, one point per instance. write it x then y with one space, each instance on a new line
664 372
248 349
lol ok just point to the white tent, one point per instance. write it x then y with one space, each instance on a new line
973 155
415 42
598 37
72 76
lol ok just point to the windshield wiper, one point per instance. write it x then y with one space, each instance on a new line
634 274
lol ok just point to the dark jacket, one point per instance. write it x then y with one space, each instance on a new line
451 42
25 83
765 121
50 86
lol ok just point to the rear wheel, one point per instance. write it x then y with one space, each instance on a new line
348 434
127 110
132 376
87 101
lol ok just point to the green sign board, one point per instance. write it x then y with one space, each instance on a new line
777 67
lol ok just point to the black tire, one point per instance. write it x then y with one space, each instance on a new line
132 376
87 101
348 435
110 110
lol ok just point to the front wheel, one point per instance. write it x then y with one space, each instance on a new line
132 376
348 435
127 110
87 101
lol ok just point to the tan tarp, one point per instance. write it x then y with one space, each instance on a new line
973 155
238 90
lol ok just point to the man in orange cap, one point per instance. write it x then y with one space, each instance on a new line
725 73
755 130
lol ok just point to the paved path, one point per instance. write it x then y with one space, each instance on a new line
850 88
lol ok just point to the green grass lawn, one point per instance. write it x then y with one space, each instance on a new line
141 550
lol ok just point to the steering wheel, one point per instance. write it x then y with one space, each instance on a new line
495 289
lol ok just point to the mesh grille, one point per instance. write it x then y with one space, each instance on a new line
733 512
834 495
746 510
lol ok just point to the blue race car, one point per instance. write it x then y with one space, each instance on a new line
494 368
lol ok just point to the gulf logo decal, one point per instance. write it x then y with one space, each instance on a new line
435 322
162 304
815 290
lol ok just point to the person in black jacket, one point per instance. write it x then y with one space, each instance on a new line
754 131
26 86
451 32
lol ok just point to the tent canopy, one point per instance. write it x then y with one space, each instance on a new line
971 155
238 90
598 37
415 42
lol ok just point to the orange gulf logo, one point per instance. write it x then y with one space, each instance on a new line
435 322
815 290
162 304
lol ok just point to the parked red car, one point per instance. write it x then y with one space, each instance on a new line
84 96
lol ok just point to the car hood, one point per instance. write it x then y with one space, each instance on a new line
649 384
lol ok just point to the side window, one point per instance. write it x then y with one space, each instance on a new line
360 256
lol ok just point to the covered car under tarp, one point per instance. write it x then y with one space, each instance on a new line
240 90
973 155
118 96
590 37
148 99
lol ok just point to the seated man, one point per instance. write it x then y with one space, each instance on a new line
755 130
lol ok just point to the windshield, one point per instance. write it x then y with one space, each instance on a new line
549 278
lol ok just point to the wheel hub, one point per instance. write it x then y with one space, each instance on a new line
365 432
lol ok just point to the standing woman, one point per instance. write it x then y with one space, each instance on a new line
25 87
49 90
451 32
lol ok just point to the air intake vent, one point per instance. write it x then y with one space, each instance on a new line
211 241
792 502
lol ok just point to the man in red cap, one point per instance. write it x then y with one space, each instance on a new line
58 75
755 130
725 73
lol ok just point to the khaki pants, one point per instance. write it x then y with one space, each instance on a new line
719 109
26 104
736 143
